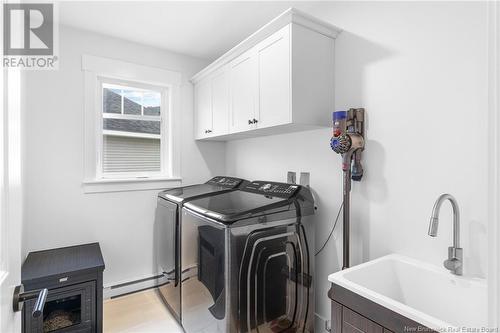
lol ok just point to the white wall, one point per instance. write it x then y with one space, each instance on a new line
56 211
420 71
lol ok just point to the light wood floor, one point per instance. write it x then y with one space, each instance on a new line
141 312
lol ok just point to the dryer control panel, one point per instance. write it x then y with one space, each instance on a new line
229 182
281 190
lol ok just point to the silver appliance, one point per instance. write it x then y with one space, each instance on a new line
166 241
246 262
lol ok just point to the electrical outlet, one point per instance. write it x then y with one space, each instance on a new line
304 179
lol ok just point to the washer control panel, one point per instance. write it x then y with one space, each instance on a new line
282 190
229 182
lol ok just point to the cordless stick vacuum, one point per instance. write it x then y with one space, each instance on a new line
348 140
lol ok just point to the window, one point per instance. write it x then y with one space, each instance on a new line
131 141
133 137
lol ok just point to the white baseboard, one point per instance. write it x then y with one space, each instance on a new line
128 287
320 324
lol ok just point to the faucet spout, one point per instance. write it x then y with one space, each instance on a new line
433 226
455 253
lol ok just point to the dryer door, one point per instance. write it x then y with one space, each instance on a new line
274 281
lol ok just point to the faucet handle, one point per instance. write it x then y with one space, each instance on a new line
454 263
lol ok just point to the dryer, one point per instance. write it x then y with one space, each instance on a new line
247 262
166 236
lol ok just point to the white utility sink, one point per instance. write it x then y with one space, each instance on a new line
428 294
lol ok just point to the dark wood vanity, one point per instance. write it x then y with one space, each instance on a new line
352 313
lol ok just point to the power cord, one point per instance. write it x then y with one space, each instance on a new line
331 231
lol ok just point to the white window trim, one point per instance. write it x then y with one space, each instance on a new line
130 184
95 70
164 136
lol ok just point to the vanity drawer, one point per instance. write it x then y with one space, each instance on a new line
353 322
345 320
352 313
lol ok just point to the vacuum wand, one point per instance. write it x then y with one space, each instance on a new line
346 219
348 140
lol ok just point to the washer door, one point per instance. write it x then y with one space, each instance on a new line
274 281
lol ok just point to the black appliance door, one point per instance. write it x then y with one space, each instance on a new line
67 309
232 206
274 281
181 194
166 239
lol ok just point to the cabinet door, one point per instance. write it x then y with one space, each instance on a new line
273 56
220 103
243 74
203 105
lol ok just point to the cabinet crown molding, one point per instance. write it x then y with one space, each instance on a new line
291 15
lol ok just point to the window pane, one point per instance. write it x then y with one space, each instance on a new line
135 126
151 102
129 154
132 129
112 101
132 101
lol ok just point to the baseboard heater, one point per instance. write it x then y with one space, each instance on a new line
134 286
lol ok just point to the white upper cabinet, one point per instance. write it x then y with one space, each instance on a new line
203 106
274 88
211 96
280 79
220 103
242 85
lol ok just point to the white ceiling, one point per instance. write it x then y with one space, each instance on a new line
200 29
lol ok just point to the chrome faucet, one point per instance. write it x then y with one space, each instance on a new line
454 263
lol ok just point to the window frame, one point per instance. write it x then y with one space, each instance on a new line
95 70
165 106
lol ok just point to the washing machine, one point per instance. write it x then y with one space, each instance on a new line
166 235
246 260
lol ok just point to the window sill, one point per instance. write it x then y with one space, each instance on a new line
130 184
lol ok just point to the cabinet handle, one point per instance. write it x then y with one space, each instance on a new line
250 121
209 131
255 121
